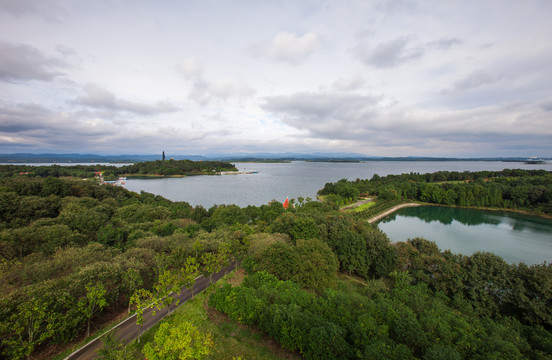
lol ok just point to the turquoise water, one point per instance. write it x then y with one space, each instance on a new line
515 237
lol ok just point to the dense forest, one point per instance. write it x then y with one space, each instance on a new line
110 172
73 253
511 189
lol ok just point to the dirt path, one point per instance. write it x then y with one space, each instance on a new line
390 211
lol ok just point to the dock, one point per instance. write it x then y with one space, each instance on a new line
237 172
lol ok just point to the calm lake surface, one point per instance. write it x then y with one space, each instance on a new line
514 237
280 180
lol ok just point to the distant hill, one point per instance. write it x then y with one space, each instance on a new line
236 157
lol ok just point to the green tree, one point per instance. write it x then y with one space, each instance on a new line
179 342
92 302
141 299
209 264
167 283
317 264
114 349
31 324
188 273
131 280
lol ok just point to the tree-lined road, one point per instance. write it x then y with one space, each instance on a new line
128 330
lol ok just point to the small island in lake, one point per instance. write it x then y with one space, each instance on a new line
146 169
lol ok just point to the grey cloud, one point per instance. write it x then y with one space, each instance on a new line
100 98
23 117
327 115
362 119
66 51
389 54
444 43
348 84
474 80
547 105
398 51
34 119
34 127
23 62
48 9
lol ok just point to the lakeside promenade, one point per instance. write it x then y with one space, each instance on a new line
390 211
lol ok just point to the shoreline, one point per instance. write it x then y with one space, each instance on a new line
401 206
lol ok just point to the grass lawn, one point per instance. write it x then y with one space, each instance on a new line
363 206
231 339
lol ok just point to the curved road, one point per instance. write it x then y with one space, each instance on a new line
127 330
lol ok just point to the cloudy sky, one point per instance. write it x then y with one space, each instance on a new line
386 78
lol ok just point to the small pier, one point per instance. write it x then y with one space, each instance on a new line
237 172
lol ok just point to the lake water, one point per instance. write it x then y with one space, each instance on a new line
515 237
280 180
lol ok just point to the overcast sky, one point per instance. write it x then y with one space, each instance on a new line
386 78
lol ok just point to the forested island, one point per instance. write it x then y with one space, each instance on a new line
322 283
141 169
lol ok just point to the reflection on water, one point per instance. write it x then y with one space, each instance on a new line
515 237
471 217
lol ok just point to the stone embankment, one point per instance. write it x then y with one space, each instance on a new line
390 211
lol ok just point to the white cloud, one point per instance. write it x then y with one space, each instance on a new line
204 92
292 48
349 84
189 67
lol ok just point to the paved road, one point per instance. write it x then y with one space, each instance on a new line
127 330
357 204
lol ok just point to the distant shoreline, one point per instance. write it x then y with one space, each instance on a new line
260 158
